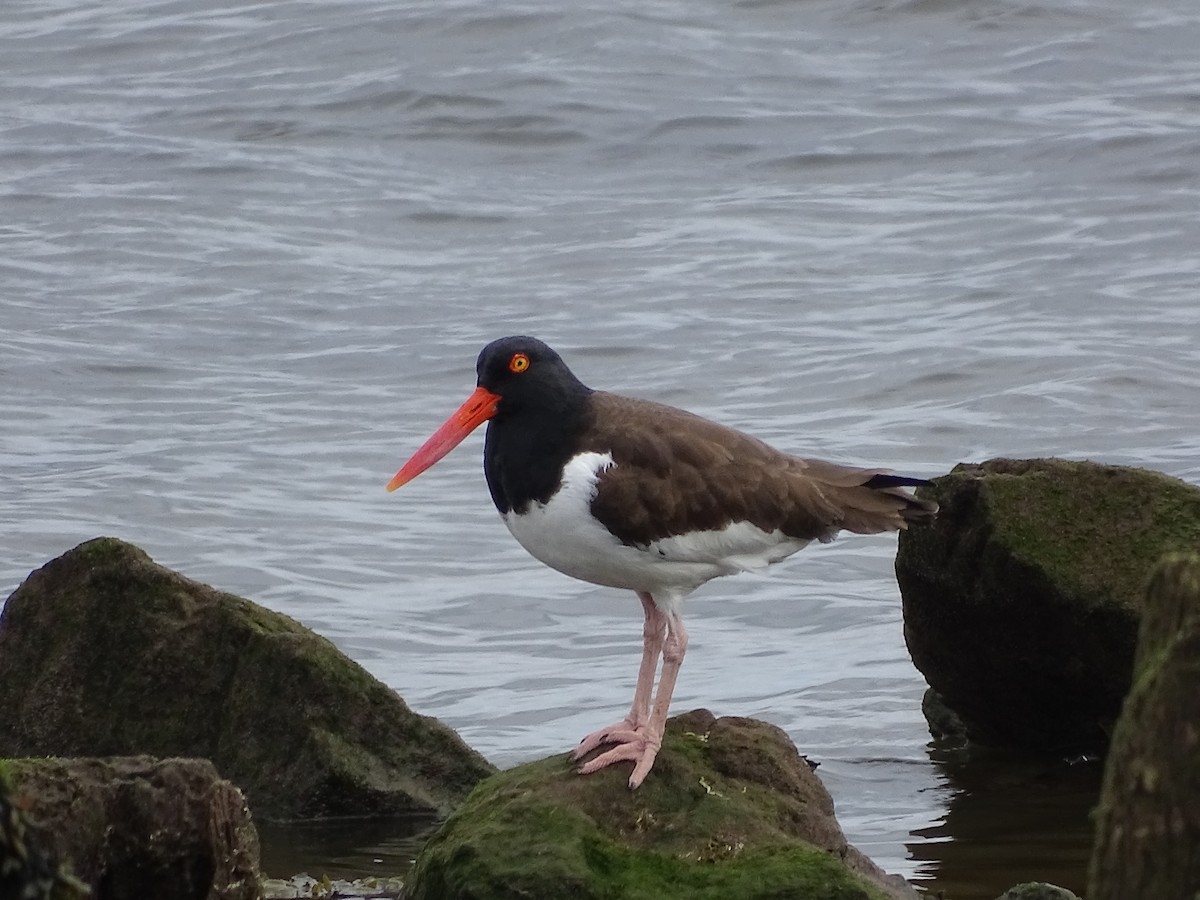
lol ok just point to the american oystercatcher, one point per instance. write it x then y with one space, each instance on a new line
633 494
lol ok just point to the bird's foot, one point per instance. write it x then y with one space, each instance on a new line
624 731
640 745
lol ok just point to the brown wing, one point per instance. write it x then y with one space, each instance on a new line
676 472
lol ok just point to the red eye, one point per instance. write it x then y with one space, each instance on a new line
519 363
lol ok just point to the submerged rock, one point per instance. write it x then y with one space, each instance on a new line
138 827
1148 819
1038 890
103 652
305 887
730 810
1021 602
944 723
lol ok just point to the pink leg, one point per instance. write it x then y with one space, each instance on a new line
653 633
643 745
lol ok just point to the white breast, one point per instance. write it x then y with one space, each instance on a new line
564 535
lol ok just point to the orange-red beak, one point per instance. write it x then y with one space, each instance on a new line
480 407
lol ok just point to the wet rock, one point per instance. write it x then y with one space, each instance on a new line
139 827
103 652
944 723
305 887
1037 890
1148 819
1021 602
730 810
28 869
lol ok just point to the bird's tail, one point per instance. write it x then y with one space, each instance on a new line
915 509
871 500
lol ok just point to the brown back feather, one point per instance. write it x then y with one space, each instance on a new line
676 472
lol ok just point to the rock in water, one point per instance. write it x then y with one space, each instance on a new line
1148 819
105 653
140 827
1021 601
730 811
1037 890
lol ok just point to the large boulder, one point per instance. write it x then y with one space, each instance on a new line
138 827
1148 819
730 810
1022 601
105 653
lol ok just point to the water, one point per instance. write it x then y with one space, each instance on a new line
248 252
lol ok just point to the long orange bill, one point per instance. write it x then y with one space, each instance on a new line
480 407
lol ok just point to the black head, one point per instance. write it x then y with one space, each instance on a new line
528 376
539 416
534 408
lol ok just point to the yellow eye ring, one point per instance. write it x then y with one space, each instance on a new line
519 363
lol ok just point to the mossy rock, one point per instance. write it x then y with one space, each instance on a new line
1022 602
1148 818
729 810
105 653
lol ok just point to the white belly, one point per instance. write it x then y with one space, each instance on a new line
564 535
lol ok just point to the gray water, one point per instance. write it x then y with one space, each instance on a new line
248 252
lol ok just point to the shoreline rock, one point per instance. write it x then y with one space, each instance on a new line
731 810
141 827
105 653
1148 818
1022 601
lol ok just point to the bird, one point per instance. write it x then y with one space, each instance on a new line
632 494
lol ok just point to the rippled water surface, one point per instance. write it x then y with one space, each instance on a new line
248 253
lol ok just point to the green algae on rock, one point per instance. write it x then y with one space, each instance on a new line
730 810
1148 818
1021 602
103 652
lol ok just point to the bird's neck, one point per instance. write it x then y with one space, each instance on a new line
525 450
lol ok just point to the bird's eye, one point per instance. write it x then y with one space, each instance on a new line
519 363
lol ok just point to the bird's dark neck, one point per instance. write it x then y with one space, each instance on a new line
526 448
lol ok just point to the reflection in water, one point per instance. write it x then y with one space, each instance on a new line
1011 819
348 849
